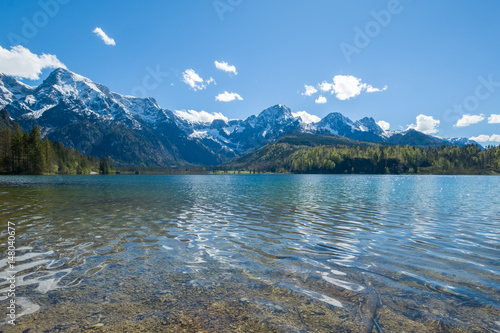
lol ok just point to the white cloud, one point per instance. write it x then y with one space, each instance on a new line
306 117
195 81
486 138
310 90
325 86
425 124
343 86
200 116
227 97
348 86
384 125
211 80
107 40
480 138
468 120
370 89
494 119
20 62
320 100
192 79
224 66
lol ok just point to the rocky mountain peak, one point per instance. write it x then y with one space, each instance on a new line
369 124
278 111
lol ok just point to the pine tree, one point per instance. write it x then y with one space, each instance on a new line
17 149
104 166
37 160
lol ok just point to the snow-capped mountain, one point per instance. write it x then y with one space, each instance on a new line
256 131
337 124
11 90
89 117
85 99
244 136
233 138
460 141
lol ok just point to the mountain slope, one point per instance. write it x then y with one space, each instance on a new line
5 121
417 139
11 90
81 114
136 131
273 156
339 155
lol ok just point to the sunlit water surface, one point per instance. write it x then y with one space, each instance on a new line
262 253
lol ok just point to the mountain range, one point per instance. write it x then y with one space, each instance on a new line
136 131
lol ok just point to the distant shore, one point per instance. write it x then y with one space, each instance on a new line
161 172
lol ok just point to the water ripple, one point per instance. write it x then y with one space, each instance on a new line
413 235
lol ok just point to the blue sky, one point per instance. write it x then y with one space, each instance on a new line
438 60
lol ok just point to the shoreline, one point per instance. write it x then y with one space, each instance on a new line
241 173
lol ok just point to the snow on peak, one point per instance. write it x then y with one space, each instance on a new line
368 124
276 111
68 84
336 119
12 89
62 75
11 82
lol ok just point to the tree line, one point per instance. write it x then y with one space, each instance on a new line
377 159
26 153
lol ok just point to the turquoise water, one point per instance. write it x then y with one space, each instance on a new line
262 253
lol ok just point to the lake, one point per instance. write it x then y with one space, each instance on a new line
261 253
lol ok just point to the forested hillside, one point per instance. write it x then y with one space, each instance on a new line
305 155
26 153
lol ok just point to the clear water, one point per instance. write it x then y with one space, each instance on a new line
262 253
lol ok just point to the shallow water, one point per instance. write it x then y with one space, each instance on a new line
262 253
